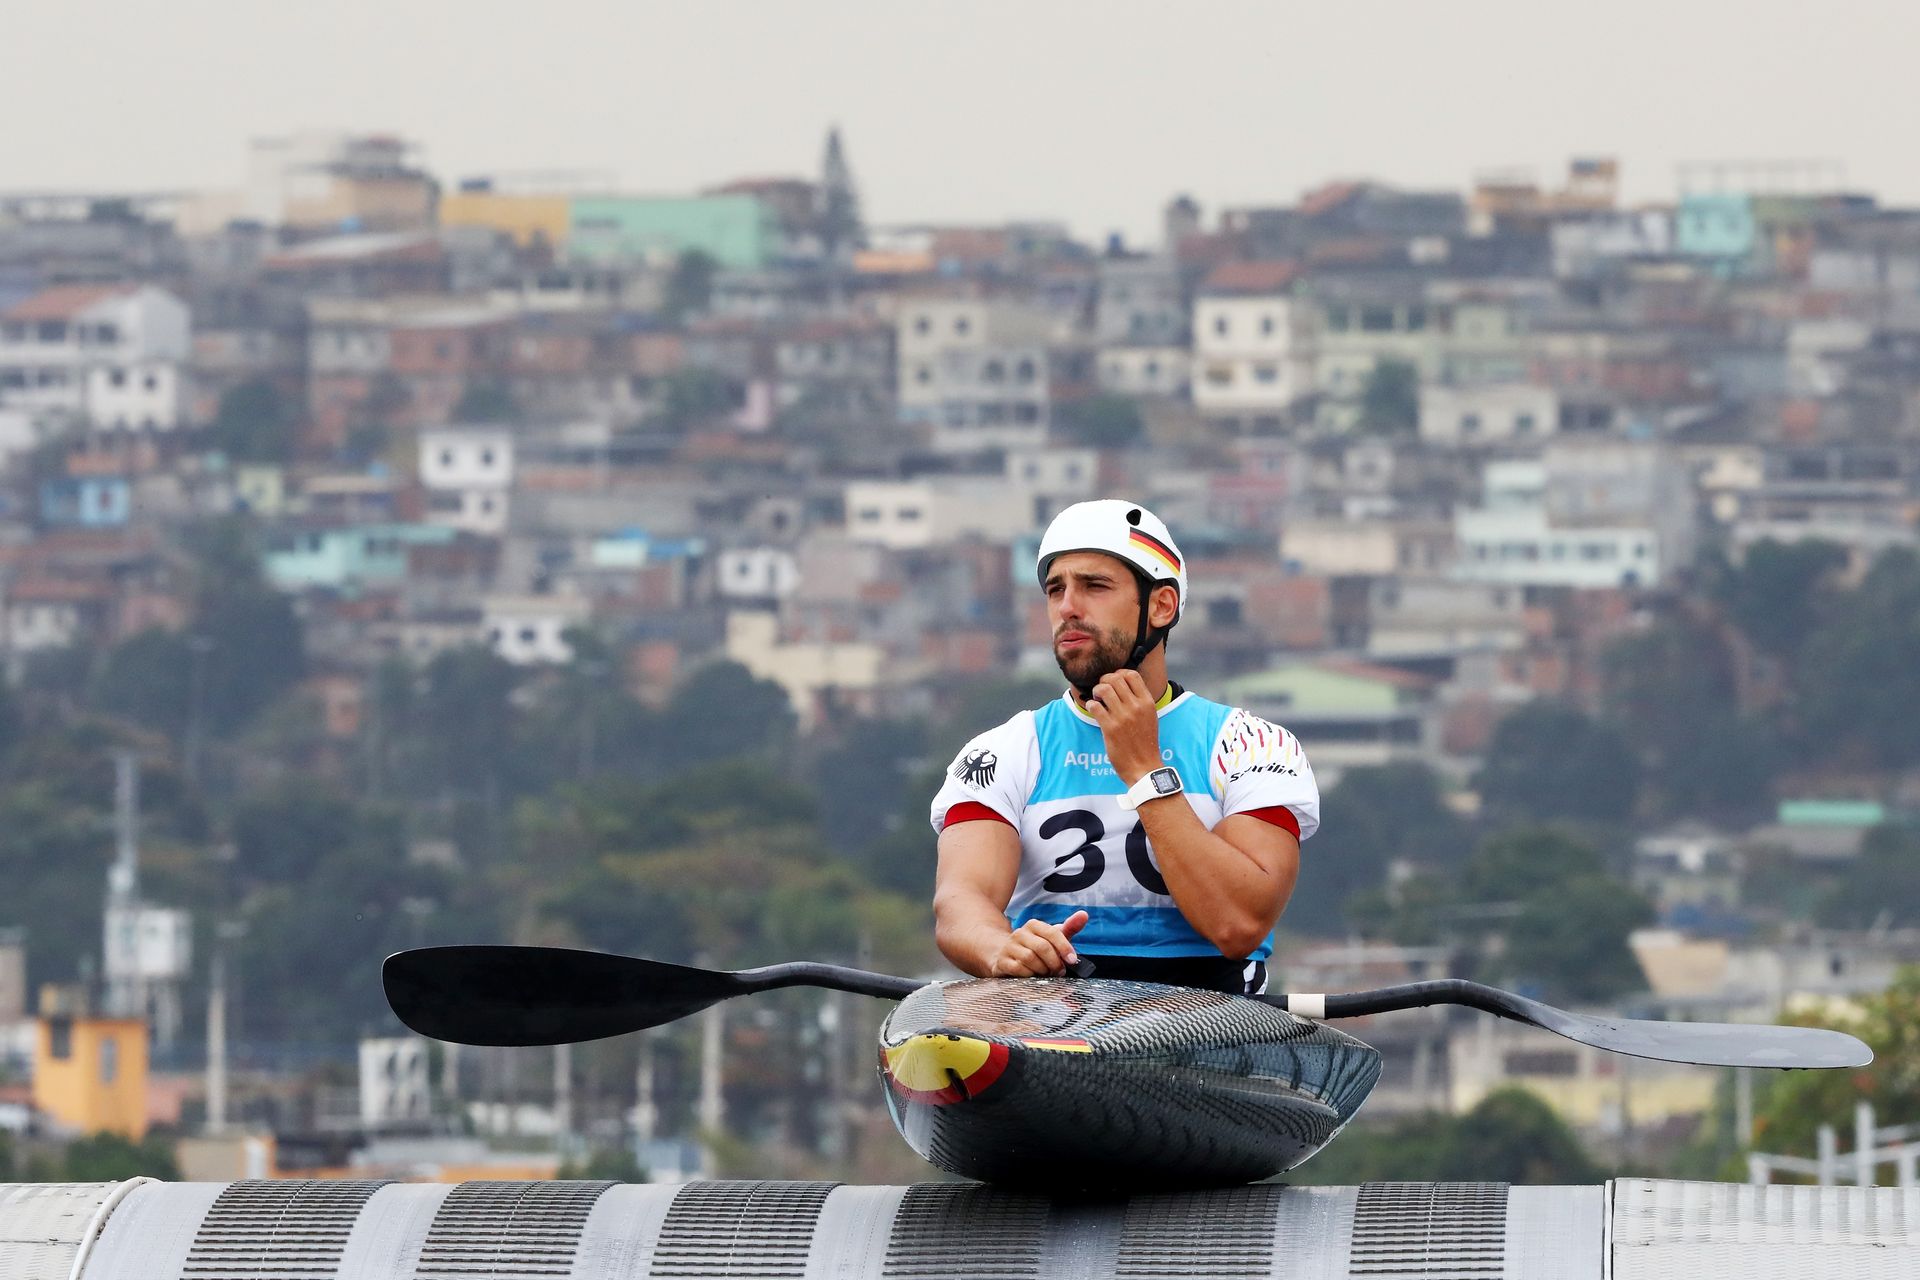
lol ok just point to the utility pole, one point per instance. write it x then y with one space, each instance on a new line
563 1098
713 1115
224 935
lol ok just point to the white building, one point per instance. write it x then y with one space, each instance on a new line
756 573
1250 350
468 473
1495 412
976 371
113 355
1163 372
529 630
1610 515
908 515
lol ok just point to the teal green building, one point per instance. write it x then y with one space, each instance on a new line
736 231
362 555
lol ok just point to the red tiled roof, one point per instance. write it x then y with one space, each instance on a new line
56 591
1251 277
64 301
1331 196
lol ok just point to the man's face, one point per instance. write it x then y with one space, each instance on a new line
1093 606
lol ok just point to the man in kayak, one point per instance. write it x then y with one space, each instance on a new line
1131 823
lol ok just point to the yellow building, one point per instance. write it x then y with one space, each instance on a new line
524 217
91 1073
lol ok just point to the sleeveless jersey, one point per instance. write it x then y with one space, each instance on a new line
1046 773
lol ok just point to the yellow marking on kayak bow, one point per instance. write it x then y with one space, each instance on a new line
922 1062
1059 1046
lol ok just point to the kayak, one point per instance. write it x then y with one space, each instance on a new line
1097 1085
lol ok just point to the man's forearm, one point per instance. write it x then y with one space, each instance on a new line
1225 893
969 931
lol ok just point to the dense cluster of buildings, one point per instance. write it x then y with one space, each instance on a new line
1421 447
1425 450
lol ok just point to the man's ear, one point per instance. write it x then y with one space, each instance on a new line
1164 605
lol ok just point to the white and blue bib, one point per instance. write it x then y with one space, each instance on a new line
1046 773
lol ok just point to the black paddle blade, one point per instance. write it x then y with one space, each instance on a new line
1705 1044
542 995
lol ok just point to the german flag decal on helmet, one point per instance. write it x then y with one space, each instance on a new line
1154 547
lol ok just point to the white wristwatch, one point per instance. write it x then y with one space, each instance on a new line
1163 781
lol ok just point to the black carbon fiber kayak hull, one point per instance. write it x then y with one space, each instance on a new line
1093 1086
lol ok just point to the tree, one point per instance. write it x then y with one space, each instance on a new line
284 833
1797 1103
1104 421
1534 906
1379 815
1509 1136
695 396
1674 685
722 710
110 1157
1390 400
690 287
1861 676
486 401
1779 591
255 423
1548 762
1879 887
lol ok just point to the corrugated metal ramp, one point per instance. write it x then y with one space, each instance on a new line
303 1230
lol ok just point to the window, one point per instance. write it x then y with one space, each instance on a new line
1153 369
486 457
109 1059
1469 424
908 515
962 326
1025 371
1266 372
1266 326
117 378
60 1038
1416 319
923 375
1026 414
1376 319
1339 319
923 325
1224 613
1219 326
868 515
1523 424
51 331
528 635
995 371
1031 471
151 382
446 457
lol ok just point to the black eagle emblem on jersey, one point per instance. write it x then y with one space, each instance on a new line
975 768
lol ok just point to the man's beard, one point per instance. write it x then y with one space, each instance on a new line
1101 656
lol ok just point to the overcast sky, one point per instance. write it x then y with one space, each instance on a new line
984 110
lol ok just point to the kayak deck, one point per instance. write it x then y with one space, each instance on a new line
1095 1085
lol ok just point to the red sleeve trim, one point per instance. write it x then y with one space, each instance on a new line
1279 815
974 811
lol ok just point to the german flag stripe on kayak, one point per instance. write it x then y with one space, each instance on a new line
1156 548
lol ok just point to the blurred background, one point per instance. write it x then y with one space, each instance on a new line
577 484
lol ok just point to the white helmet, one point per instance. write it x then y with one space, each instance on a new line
1125 530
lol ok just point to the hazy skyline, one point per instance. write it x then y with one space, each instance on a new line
983 111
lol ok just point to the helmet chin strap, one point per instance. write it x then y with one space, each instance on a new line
1145 636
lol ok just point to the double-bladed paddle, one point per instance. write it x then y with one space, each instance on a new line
497 995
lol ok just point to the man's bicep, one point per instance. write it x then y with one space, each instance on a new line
980 857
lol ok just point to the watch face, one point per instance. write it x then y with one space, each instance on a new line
1165 781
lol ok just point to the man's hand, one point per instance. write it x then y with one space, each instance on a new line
1038 949
1130 723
